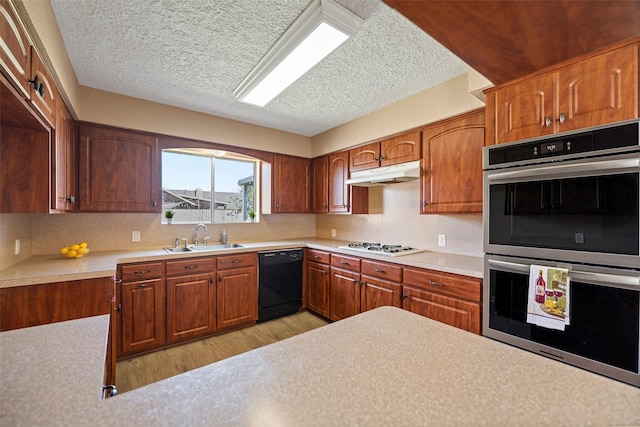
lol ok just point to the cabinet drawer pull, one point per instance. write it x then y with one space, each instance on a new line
434 283
236 261
143 285
316 256
191 267
142 272
344 263
378 270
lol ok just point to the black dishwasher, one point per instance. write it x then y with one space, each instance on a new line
280 289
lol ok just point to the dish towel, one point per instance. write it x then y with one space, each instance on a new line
548 297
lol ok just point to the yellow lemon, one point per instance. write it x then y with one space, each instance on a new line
83 251
83 245
64 250
71 254
78 256
74 247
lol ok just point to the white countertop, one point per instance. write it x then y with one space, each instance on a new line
55 268
382 367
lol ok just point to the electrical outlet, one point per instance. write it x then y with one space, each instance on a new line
17 247
442 240
333 232
135 236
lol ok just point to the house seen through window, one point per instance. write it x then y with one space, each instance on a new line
210 186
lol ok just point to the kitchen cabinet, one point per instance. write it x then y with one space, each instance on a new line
398 149
448 298
142 299
32 305
330 192
599 89
451 179
42 90
118 171
352 292
191 298
320 185
63 161
237 290
15 57
291 184
318 278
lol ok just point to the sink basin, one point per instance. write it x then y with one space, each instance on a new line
215 247
204 248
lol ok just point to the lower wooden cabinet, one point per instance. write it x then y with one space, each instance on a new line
378 292
191 306
142 320
237 293
345 294
318 280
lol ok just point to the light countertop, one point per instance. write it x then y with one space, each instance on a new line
55 268
382 367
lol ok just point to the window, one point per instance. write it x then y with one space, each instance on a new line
211 186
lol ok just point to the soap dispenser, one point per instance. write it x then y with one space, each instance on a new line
223 237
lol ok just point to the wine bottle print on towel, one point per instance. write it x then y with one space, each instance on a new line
548 297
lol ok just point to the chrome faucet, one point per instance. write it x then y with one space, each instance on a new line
195 237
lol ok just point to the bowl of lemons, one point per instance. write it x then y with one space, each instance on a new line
75 251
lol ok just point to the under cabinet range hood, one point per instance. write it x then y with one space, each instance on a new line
403 172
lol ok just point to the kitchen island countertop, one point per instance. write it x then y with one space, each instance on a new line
55 268
383 367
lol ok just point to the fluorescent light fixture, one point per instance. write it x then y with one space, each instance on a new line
319 30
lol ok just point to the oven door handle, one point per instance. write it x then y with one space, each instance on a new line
611 280
511 267
559 171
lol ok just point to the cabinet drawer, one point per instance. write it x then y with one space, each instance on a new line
347 262
382 270
237 260
452 284
318 256
151 270
191 266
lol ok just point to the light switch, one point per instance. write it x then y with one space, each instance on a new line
135 236
442 240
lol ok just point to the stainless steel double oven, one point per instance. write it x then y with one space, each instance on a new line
569 202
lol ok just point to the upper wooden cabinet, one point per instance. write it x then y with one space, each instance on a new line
398 149
64 193
320 185
15 51
118 171
452 164
597 90
330 193
291 184
43 93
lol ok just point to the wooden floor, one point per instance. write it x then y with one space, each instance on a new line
146 369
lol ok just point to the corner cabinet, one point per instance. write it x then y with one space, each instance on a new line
291 184
330 193
118 171
599 89
452 164
63 161
320 185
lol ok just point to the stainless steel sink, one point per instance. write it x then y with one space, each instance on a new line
203 248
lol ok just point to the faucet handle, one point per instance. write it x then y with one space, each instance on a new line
177 243
186 241
204 241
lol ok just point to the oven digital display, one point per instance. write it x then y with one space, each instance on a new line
552 147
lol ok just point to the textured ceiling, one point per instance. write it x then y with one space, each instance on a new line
193 54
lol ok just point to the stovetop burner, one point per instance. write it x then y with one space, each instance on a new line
381 248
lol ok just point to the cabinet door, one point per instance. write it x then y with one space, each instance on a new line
320 185
377 293
118 171
191 306
400 149
63 161
291 184
365 157
522 109
599 90
344 298
237 297
338 190
452 311
318 279
142 321
452 175
15 57
44 95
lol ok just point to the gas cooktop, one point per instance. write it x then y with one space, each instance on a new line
381 248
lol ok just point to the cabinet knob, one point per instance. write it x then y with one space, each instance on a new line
562 118
355 281
382 158
143 285
434 283
71 199
547 121
379 270
38 85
